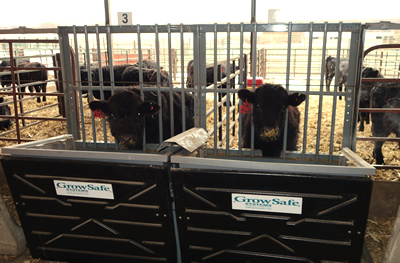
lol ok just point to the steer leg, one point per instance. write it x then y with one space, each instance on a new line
377 153
37 89
327 81
44 90
378 129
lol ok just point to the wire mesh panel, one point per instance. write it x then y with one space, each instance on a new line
91 211
239 216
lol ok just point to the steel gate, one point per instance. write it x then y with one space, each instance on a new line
202 44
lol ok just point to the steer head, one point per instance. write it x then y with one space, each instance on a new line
269 107
85 77
126 112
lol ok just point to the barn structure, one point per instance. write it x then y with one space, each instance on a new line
199 196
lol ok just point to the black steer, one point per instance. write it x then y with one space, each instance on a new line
95 74
147 63
365 94
130 76
384 95
28 77
330 67
34 76
270 103
124 75
5 124
128 115
209 75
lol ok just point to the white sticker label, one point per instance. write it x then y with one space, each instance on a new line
267 203
124 18
84 189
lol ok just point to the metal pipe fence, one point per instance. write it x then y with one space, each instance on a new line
200 37
13 95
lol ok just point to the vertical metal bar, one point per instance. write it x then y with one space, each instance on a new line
140 57
107 11
161 138
334 103
199 77
100 69
321 89
252 50
87 52
203 77
196 76
111 59
355 72
242 84
253 63
228 87
171 95
68 88
288 56
12 69
110 64
215 87
307 102
80 88
183 77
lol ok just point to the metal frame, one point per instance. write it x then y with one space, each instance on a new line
199 33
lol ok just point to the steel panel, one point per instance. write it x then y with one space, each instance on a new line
330 228
135 226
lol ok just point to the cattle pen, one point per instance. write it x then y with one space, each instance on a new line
182 199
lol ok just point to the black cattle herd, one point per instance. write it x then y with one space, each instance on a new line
133 115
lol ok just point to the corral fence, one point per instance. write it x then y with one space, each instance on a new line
271 62
388 63
16 99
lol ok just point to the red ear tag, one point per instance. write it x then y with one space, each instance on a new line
98 114
246 107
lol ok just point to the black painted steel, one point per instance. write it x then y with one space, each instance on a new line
330 228
135 226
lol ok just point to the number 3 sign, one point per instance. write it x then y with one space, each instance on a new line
124 18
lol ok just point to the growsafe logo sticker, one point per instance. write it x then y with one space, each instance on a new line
84 189
267 203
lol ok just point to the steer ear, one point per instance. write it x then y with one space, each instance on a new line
296 99
149 108
99 105
245 94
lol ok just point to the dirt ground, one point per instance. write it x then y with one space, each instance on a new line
378 229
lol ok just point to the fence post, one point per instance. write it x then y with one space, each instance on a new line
59 85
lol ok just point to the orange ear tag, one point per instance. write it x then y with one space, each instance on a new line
246 107
98 113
